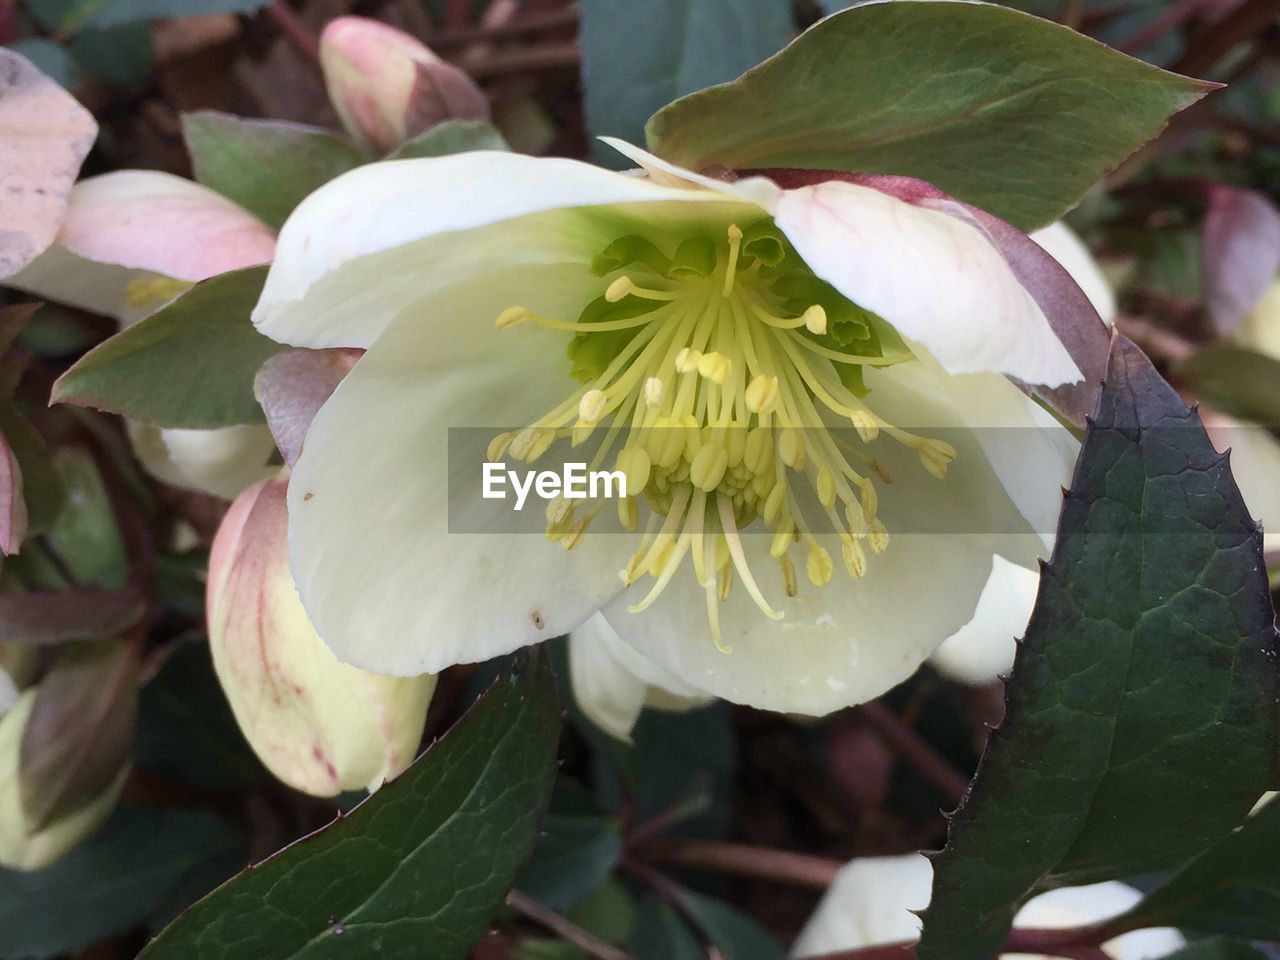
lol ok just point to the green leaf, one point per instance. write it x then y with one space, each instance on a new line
735 934
1233 888
190 364
427 860
1235 380
86 535
72 16
266 166
1141 718
660 934
116 880
1006 111
452 136
572 859
121 55
636 56
1220 948
41 485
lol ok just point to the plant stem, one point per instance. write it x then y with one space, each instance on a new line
295 31
908 744
590 944
742 859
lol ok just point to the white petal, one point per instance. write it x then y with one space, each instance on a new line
851 640
220 462
612 682
128 229
868 904
983 648
379 239
400 572
937 279
1260 330
760 191
1061 243
1079 906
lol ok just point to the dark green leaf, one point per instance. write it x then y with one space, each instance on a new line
72 16
80 734
636 56
1141 717
427 860
266 166
41 486
452 136
1006 111
660 934
1233 888
122 55
1220 948
116 880
1235 380
86 535
190 364
573 857
735 934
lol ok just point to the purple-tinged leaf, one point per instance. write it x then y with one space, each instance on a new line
293 385
1240 251
59 616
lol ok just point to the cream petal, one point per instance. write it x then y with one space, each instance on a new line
937 279
220 462
1060 242
983 648
850 641
123 293
383 237
760 191
1080 906
401 564
612 682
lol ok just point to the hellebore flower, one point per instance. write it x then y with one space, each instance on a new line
319 725
132 241
717 333
24 848
871 903
387 86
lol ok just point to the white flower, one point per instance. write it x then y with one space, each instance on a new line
872 899
133 241
754 308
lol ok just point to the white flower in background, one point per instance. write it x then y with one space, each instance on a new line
983 648
872 899
133 241
387 86
22 846
717 331
319 725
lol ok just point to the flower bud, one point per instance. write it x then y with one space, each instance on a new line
319 725
387 87
21 846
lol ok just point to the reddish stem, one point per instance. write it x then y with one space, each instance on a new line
744 860
908 744
295 31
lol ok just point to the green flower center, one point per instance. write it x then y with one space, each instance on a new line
708 375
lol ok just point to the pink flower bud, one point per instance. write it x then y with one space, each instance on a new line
388 87
319 725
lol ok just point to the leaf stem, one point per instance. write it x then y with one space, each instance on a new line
564 928
745 860
913 748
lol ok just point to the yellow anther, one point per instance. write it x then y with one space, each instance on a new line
819 566
628 514
762 394
773 504
791 448
936 456
692 436
581 433
870 499
142 293
511 317
620 288
735 246
757 456
857 520
557 509
708 467
635 463
878 536
855 559
687 360
652 392
826 486
815 320
880 470
788 576
591 406
498 446
866 425
715 367
666 442
735 442
783 537
575 535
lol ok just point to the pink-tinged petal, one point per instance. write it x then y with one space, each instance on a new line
293 385
1240 251
1064 245
938 278
147 220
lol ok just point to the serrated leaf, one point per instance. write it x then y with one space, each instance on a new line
1232 889
1014 114
452 136
1141 718
139 859
427 860
636 56
266 166
1236 380
189 364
